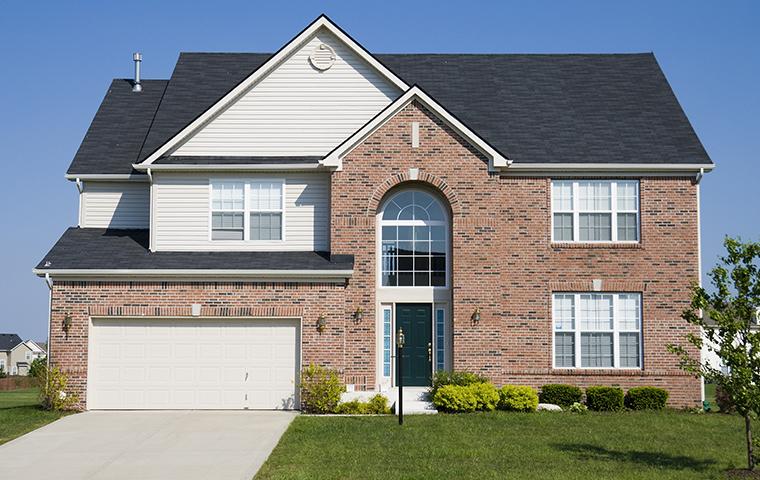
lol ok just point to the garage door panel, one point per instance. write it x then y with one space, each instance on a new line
193 364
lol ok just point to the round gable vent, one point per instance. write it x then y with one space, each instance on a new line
322 57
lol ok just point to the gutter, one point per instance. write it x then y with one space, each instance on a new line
268 274
265 167
49 282
611 167
105 177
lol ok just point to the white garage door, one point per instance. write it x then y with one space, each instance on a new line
193 364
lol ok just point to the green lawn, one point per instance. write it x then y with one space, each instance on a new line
632 445
20 413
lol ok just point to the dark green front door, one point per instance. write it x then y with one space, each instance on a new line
416 320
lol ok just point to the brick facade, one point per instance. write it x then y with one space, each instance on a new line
503 263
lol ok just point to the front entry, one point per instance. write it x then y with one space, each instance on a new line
416 320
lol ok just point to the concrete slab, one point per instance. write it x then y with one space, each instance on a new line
148 445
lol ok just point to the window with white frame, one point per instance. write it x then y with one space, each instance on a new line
595 210
247 210
28 356
597 330
387 340
440 328
414 231
2 365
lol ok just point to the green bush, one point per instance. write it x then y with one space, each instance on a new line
560 394
378 404
3 374
724 401
646 398
53 394
462 379
518 398
486 395
604 399
320 389
579 408
455 399
37 367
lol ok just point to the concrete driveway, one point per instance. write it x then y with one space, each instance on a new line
147 445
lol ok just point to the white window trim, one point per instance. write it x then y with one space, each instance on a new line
383 309
439 345
616 331
247 210
576 211
379 243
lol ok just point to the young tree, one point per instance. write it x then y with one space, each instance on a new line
731 332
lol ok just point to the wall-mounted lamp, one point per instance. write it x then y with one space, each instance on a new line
359 314
321 323
66 323
476 315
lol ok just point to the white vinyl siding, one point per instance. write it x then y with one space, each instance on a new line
595 211
597 330
115 205
297 109
182 215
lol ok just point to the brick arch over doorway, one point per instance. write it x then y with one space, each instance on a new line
428 179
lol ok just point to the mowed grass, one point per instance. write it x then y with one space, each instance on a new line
20 413
630 445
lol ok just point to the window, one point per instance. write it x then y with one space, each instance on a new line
2 365
595 211
440 316
597 330
28 356
414 238
387 333
251 211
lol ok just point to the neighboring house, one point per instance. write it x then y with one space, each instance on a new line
534 218
16 355
710 356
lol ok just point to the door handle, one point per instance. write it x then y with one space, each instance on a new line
430 352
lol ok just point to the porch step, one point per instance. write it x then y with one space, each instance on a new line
416 401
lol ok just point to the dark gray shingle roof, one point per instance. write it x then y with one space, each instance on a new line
98 248
8 341
607 108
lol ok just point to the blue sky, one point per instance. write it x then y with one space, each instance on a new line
59 57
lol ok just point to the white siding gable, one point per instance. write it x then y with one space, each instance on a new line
297 109
115 205
182 213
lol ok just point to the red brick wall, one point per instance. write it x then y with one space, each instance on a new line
505 264
218 299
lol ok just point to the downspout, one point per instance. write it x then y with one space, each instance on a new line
697 180
49 282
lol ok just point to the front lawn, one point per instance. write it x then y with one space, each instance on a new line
631 445
20 413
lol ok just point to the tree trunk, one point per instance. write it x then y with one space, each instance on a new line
750 453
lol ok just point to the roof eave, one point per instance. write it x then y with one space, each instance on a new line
677 169
268 167
306 276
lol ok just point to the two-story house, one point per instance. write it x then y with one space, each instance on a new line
534 218
16 355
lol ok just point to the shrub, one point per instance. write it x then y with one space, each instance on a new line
462 379
578 408
3 374
37 367
560 394
53 394
455 399
320 389
604 399
518 398
646 398
486 395
724 401
378 404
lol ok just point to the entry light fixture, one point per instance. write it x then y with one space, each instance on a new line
321 323
359 314
476 315
66 323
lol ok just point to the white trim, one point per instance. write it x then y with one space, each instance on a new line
321 22
264 167
271 275
334 158
571 169
107 177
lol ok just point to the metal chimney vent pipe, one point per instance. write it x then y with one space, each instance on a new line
136 86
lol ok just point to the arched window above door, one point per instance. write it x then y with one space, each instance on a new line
414 240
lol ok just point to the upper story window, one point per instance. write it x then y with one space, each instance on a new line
597 330
414 243
595 210
247 210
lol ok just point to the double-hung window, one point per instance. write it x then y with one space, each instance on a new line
597 330
595 211
247 210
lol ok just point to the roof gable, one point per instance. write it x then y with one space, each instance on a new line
379 82
8 341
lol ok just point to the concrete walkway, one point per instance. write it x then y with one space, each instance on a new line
184 445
